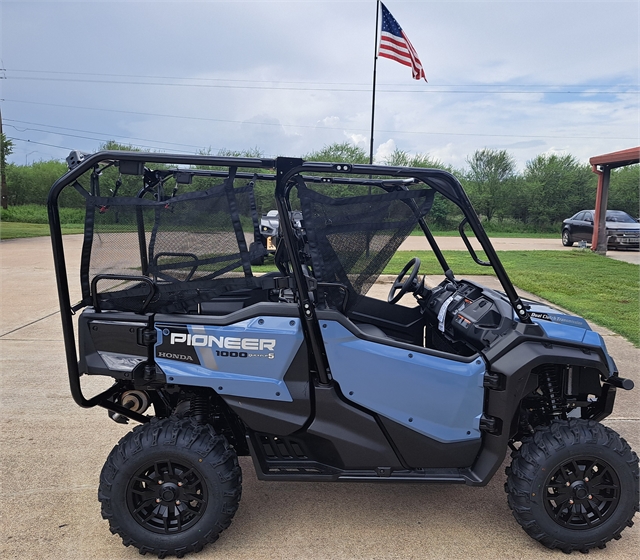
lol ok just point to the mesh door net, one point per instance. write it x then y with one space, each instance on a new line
351 239
192 247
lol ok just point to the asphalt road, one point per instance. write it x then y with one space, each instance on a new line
51 453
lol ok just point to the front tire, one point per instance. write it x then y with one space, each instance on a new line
566 238
170 487
574 485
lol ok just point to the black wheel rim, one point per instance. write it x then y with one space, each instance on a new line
582 493
167 496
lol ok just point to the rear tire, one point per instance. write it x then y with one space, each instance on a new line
170 487
566 238
574 485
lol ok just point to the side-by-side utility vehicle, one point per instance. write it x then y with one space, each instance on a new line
299 367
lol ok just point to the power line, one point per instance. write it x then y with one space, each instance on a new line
151 114
347 128
39 143
101 140
87 138
97 139
109 136
424 90
235 80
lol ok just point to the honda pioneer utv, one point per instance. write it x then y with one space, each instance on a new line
302 370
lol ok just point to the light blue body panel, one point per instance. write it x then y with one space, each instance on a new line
252 363
569 320
565 327
570 333
439 398
569 328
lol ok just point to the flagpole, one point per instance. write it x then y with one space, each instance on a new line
373 99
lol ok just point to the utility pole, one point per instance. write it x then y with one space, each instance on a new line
3 182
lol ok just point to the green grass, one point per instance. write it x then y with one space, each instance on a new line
16 230
31 220
37 214
597 288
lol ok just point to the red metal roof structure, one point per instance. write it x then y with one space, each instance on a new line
618 159
602 166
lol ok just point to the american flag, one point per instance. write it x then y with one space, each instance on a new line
395 44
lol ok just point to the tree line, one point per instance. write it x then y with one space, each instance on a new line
550 188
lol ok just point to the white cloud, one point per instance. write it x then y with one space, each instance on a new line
384 151
292 93
358 139
332 122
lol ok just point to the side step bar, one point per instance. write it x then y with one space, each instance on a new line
298 469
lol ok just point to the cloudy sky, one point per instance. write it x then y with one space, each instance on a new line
290 77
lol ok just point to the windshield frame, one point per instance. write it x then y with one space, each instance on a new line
441 181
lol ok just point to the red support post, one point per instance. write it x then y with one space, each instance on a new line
596 218
599 238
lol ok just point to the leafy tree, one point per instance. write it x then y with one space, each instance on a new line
556 187
254 152
30 184
519 201
112 145
443 212
624 190
551 188
339 151
263 190
6 148
404 159
489 180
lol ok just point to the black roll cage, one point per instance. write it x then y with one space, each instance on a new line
286 169
441 181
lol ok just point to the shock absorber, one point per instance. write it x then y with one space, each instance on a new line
199 407
552 388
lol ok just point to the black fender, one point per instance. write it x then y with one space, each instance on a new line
515 380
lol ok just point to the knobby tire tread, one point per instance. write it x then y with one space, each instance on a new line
201 439
532 455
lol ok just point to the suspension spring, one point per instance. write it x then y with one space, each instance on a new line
199 408
552 388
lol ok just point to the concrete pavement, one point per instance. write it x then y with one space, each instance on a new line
419 243
51 453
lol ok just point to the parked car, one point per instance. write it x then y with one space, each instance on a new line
270 228
622 229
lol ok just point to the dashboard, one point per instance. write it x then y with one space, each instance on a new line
467 312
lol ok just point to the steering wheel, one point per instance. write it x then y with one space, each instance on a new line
401 285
